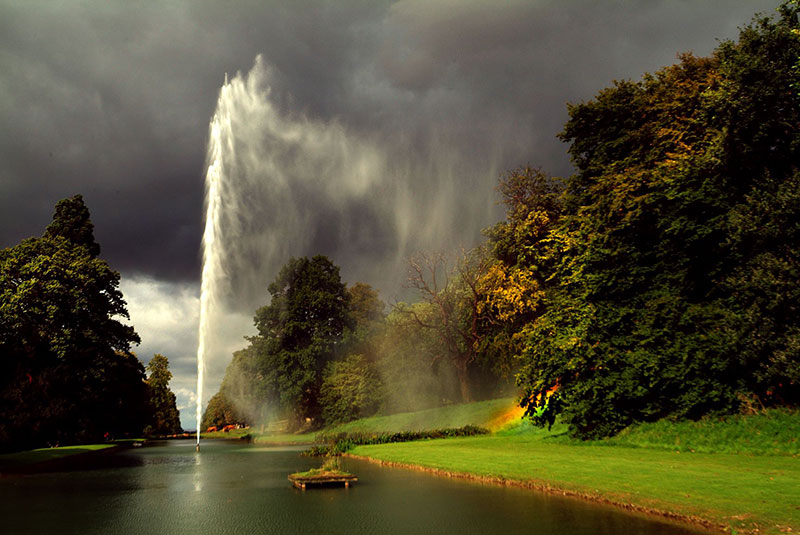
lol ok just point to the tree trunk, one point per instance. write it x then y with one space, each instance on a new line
463 380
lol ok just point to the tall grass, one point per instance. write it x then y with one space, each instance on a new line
773 432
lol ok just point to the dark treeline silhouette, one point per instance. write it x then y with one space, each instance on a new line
66 371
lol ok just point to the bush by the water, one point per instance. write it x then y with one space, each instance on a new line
338 443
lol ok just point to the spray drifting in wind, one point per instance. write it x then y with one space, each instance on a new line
280 184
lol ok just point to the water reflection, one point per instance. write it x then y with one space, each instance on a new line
233 488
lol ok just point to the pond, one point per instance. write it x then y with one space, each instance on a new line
233 488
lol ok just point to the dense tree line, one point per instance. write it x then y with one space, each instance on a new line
67 374
668 264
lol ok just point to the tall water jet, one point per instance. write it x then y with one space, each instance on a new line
219 132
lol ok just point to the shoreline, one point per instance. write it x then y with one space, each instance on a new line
544 487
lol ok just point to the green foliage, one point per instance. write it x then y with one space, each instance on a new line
219 412
338 443
670 278
350 390
410 361
66 373
166 417
72 221
300 328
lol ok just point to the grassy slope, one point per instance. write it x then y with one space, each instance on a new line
479 413
485 413
644 466
285 438
773 433
24 458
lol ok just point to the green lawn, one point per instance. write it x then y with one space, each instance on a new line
233 433
775 432
22 458
742 490
285 438
481 413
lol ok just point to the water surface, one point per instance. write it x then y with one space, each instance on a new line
231 488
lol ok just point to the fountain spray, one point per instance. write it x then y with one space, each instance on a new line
219 131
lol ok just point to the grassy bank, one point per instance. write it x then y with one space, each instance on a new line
491 414
285 438
775 432
743 474
481 413
20 461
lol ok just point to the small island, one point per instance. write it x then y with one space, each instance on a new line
329 474
318 477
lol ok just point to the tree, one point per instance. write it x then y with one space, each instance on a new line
366 314
513 287
366 308
166 417
65 356
219 412
350 390
250 384
72 221
301 330
455 298
411 362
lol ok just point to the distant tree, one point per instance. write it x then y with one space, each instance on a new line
412 362
64 354
366 314
365 305
166 417
454 297
350 390
250 384
219 412
301 330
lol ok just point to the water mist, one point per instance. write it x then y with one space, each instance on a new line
283 183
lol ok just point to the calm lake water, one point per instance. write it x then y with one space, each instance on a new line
231 488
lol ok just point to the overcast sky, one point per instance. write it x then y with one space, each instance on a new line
113 99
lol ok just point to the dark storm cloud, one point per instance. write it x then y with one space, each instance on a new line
112 99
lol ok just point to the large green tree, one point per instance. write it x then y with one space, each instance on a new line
350 390
66 370
673 295
301 331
